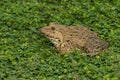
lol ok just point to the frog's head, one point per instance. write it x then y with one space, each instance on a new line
48 31
52 33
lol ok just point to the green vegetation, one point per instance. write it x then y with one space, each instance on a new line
25 54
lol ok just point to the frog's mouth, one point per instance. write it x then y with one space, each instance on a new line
54 40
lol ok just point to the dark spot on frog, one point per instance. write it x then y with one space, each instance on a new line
53 28
54 32
59 40
68 40
71 35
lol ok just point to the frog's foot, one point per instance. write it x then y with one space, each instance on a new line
91 54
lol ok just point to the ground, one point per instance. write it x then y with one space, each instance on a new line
26 54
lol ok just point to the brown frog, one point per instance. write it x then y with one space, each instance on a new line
68 38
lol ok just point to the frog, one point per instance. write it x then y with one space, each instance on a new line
69 38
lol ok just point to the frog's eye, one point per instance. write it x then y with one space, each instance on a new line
53 28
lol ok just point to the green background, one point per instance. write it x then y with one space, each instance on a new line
25 54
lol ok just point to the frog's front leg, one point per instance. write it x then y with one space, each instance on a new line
64 48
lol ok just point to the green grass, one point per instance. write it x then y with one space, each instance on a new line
25 54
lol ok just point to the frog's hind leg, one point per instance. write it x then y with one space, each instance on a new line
92 52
